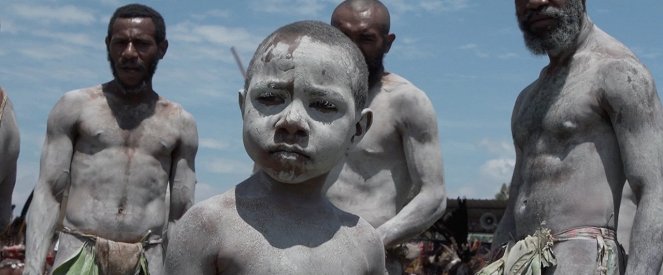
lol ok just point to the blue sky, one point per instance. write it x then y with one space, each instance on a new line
467 55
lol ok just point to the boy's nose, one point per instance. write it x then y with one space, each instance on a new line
293 123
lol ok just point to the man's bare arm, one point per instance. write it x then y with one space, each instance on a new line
182 174
55 164
634 107
419 132
9 149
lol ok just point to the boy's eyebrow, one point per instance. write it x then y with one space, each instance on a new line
320 92
276 84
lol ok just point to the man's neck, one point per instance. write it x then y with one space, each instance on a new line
136 95
561 59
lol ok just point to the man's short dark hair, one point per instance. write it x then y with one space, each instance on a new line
136 11
325 33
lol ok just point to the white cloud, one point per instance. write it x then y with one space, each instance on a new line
475 49
78 39
500 148
228 166
443 5
509 55
300 7
213 13
403 6
49 52
410 48
492 173
215 144
215 35
8 26
69 15
498 170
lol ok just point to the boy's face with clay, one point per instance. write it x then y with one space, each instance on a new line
299 111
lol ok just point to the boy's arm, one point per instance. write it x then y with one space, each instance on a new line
376 256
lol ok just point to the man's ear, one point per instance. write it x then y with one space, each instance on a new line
389 39
363 125
107 43
241 95
163 47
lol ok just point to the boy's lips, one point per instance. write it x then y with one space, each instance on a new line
288 151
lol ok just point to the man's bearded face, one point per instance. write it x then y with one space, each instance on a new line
151 69
561 36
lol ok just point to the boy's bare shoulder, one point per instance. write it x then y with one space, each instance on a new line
359 227
208 215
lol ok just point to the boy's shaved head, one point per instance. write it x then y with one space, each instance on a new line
326 34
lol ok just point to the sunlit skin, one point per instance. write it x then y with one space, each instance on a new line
299 120
9 150
115 149
591 121
393 178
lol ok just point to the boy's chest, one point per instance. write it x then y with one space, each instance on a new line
296 260
291 252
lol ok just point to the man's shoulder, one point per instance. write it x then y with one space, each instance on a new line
83 93
402 93
606 51
175 107
394 83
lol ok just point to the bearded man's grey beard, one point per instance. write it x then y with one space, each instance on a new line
562 36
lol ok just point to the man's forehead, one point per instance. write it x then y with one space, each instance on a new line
143 22
363 18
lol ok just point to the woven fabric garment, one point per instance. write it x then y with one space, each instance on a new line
99 256
530 256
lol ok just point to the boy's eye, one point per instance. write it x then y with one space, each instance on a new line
270 98
323 106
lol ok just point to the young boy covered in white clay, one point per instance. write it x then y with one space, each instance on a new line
303 107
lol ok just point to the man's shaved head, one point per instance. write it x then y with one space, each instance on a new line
379 13
367 23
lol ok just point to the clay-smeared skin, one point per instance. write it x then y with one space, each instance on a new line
278 221
393 178
590 122
9 149
116 149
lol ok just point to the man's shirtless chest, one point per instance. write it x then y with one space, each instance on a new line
151 128
558 110
383 139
